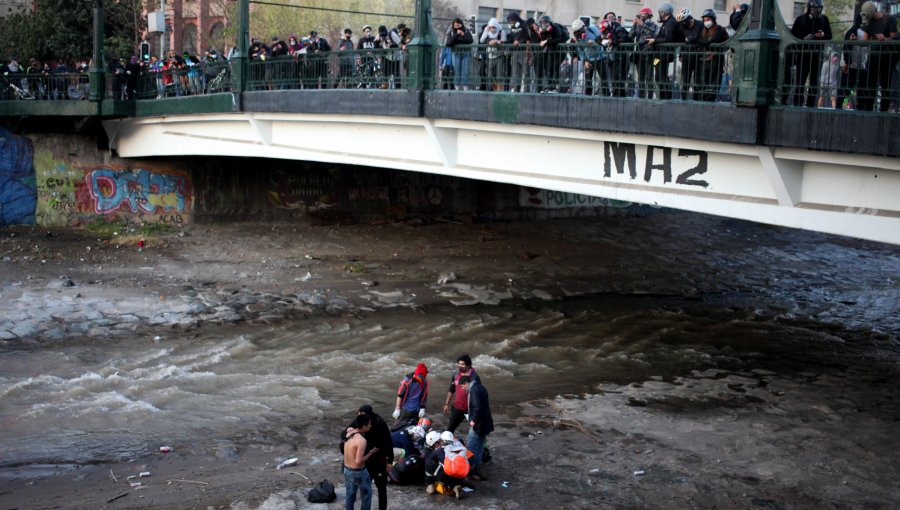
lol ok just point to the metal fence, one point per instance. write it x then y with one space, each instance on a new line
849 75
665 72
45 87
199 79
370 69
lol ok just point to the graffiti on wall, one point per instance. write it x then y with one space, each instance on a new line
69 194
548 199
139 191
301 190
18 193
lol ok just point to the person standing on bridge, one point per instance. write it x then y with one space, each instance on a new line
804 59
458 38
666 34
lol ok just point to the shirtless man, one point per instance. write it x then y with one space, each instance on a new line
355 473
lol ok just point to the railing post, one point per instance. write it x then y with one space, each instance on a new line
240 60
756 56
421 49
97 71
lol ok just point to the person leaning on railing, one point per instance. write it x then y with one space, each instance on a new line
879 28
642 30
667 34
614 38
493 37
552 35
458 38
592 55
712 62
690 55
518 43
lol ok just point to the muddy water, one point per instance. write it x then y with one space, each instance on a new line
99 400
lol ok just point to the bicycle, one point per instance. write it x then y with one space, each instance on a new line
21 93
368 73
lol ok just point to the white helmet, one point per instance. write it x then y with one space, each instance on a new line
417 432
577 25
432 438
447 436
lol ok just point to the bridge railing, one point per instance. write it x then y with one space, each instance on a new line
850 75
370 69
664 72
41 87
200 79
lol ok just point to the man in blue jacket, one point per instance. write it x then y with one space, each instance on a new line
481 423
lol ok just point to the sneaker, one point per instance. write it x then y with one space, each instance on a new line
457 491
430 489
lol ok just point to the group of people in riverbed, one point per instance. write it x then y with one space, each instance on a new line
413 451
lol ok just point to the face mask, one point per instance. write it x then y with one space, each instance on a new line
708 24
462 369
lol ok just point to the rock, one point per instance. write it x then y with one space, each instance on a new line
444 278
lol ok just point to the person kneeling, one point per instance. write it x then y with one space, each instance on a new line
447 466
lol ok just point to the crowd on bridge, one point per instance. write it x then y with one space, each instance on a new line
676 55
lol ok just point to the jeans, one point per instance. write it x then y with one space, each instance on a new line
475 444
461 68
358 480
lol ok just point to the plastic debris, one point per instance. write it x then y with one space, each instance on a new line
504 485
165 449
144 474
288 463
468 489
135 484
639 472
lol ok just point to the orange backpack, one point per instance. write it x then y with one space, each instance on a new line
456 463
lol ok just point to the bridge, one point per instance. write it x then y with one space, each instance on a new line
750 153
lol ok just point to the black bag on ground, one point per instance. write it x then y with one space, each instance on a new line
322 493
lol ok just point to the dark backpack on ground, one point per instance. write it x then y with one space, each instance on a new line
322 493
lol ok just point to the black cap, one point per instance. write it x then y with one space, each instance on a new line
366 409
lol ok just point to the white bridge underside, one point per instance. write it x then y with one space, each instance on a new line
852 195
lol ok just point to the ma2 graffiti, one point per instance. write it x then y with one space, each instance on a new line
138 190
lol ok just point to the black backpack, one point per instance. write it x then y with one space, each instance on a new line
322 493
563 30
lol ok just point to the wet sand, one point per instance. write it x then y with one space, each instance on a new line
799 424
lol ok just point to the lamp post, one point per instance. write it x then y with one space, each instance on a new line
756 57
421 48
97 71
240 59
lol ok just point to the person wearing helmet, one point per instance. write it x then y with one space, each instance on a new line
737 15
456 404
409 440
591 54
712 62
802 60
612 37
642 30
447 466
690 55
666 34
552 35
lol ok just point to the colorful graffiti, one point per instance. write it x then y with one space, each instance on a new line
18 191
138 191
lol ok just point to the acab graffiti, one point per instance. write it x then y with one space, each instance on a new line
138 191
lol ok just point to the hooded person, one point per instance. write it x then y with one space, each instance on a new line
412 397
810 26
737 15
494 65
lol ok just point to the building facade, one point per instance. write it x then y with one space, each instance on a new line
10 7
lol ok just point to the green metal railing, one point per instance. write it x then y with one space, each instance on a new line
370 69
851 75
665 72
199 79
45 87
